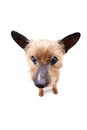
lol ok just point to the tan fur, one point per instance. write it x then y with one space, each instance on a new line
44 50
45 58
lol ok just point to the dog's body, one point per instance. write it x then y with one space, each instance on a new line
45 58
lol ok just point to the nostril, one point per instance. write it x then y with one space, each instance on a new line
40 85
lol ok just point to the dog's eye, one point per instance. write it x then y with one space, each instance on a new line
53 60
34 60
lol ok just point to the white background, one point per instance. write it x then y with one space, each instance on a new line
20 106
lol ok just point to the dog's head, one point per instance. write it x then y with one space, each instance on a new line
45 56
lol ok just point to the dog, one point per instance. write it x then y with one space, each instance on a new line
45 58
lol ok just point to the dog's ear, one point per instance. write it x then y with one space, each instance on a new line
21 40
70 40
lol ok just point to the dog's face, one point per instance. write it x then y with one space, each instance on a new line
45 57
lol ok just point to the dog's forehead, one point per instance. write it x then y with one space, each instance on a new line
44 44
44 49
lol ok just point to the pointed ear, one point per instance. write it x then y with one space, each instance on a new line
21 40
70 40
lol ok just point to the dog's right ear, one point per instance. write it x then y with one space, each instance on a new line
21 40
70 40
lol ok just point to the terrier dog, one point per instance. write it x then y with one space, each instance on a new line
45 58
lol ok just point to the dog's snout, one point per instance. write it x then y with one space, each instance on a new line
41 78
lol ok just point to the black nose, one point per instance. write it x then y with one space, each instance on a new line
40 85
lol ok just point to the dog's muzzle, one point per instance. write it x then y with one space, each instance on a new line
41 77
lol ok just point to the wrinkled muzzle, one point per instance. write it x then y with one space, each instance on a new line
41 77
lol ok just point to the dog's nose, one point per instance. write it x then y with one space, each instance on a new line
41 79
39 85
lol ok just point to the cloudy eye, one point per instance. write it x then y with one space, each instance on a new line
34 60
53 60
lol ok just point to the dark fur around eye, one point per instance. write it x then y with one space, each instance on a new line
53 60
34 60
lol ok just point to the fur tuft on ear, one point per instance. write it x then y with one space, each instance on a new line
70 40
21 40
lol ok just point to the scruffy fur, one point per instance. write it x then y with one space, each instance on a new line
44 50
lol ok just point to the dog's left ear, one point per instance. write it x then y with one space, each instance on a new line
70 40
21 40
